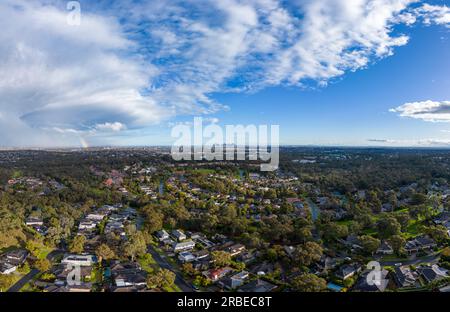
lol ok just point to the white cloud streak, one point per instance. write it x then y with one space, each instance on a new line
432 111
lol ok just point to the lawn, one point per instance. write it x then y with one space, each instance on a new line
147 263
6 281
412 229
43 252
204 171
173 288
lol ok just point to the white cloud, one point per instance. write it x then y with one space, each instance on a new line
432 111
434 14
433 142
53 75
108 126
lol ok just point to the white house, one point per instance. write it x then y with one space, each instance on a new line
188 245
186 256
179 235
32 221
96 216
162 235
81 260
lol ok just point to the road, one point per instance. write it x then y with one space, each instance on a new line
179 280
28 277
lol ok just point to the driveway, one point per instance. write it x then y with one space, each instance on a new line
179 280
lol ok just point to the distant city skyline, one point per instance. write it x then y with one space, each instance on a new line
329 72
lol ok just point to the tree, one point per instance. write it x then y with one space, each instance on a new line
153 219
334 231
161 279
369 243
388 226
77 245
135 246
308 253
43 265
188 268
445 254
403 219
221 258
33 247
309 283
103 252
418 199
439 233
397 242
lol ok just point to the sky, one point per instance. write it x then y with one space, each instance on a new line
328 72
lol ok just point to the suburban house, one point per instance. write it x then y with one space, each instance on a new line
385 249
10 261
432 273
81 260
96 216
162 235
235 249
62 272
363 285
257 286
201 254
216 274
347 271
419 243
405 277
186 256
187 245
34 221
235 280
178 235
128 274
87 225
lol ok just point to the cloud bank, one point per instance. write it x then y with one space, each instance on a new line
431 111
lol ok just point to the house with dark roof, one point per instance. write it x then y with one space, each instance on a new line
11 260
405 277
257 285
128 274
432 273
420 243
385 249
363 283
347 271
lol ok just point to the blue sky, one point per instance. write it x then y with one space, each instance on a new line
329 72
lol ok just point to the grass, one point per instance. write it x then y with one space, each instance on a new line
204 171
173 288
43 253
147 263
28 287
412 230
6 281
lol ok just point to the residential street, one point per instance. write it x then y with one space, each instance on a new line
427 259
179 280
